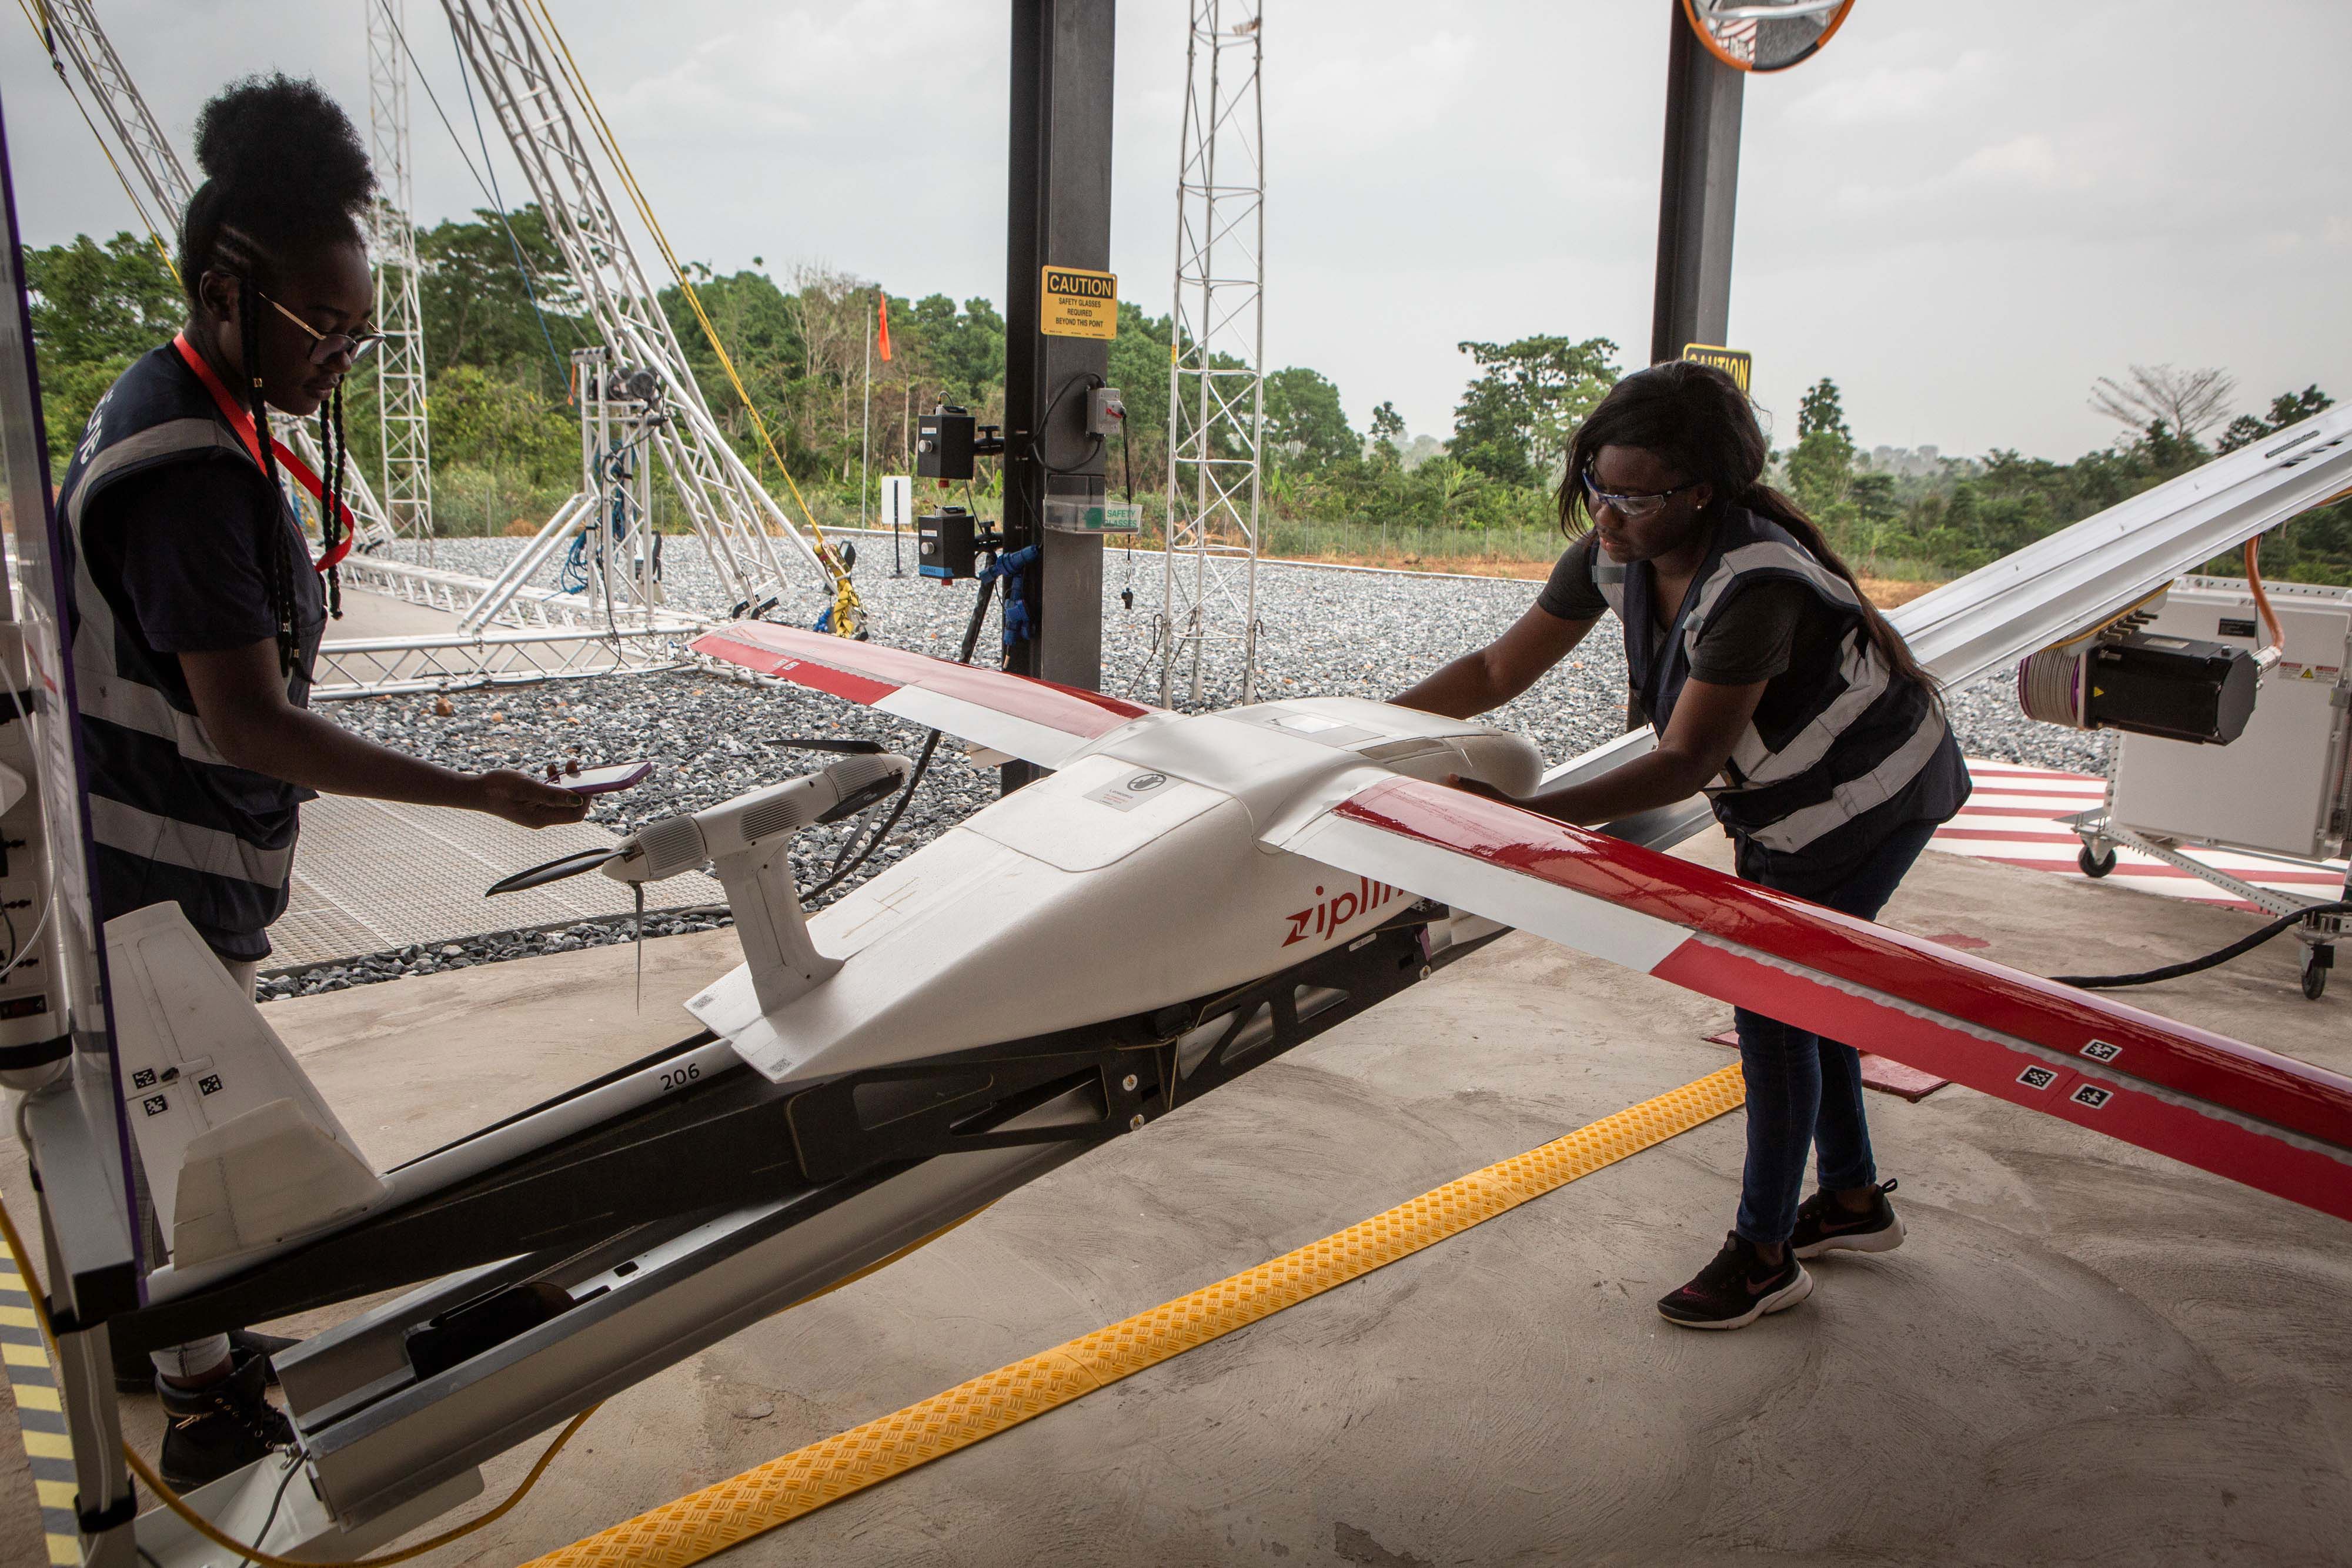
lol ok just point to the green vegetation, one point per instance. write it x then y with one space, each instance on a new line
506 443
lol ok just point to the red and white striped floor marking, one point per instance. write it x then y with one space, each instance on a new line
2013 818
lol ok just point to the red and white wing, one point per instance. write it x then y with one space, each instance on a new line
2266 1120
1038 721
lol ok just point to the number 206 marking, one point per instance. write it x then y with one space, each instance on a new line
682 1077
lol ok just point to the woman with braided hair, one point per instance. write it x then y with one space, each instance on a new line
197 609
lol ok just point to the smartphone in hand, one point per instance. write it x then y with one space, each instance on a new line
603 780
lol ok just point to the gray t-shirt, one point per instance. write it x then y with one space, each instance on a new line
1752 638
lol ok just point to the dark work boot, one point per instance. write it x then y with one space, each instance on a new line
220 1429
134 1374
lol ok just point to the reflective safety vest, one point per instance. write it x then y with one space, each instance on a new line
1836 736
173 820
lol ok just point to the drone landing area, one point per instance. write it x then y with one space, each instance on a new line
2083 1352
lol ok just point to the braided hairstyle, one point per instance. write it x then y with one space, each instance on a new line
285 174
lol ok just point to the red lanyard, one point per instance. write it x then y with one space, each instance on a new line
242 422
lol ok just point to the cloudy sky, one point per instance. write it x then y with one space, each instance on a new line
1962 211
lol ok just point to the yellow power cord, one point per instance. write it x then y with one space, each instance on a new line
203 1526
849 611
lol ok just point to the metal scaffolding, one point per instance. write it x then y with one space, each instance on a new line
740 523
74 32
1216 383
407 470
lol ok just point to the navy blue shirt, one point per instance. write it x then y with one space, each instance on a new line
182 553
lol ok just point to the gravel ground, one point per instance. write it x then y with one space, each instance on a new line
1330 633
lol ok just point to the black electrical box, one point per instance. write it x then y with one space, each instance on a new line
2175 688
943 444
948 438
947 544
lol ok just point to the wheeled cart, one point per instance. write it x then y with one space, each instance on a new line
2281 791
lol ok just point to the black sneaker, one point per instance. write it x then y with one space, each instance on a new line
1825 1224
134 1374
1736 1289
220 1429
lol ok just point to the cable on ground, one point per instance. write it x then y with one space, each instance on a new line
2243 944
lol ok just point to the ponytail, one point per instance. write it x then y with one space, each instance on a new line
1695 418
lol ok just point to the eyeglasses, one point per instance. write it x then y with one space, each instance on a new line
1633 508
326 346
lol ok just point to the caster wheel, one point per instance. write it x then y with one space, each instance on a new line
2315 974
2096 866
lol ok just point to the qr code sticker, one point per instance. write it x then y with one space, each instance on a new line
2091 1096
2100 1050
209 1084
143 1079
2037 1078
155 1105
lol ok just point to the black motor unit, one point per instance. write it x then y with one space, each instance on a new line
2178 688
947 544
948 438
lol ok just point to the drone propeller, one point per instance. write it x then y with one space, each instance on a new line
848 746
555 869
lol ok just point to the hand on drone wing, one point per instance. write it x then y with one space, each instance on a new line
525 801
1473 786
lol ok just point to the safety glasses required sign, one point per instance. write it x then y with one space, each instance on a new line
1075 303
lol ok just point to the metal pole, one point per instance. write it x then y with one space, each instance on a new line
1698 189
865 442
1057 214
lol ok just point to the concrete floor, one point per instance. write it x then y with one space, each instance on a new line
2084 1353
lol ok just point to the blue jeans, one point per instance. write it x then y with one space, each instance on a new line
1804 1091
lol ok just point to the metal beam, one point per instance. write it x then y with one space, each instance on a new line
1698 190
1057 214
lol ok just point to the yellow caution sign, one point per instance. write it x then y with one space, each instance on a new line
1733 362
1075 303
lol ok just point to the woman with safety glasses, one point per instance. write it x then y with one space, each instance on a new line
197 609
1776 687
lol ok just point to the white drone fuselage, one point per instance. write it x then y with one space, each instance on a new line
1132 878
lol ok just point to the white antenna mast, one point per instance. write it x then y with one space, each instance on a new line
1216 375
399 316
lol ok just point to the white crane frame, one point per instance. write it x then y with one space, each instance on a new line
74 25
738 520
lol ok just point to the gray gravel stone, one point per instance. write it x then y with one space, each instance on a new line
1327 633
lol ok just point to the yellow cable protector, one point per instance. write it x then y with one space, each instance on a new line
702 1523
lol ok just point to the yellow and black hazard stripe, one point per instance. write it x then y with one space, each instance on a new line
40 1414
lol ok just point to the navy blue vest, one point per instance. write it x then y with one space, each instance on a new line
1839 741
173 820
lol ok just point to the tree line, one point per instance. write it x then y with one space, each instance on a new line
502 316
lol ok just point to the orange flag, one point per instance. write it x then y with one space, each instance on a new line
882 309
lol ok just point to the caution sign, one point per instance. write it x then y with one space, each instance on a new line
1733 362
1075 303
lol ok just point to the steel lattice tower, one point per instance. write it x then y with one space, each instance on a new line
1216 383
407 469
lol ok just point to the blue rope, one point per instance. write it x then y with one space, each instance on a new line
1012 567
